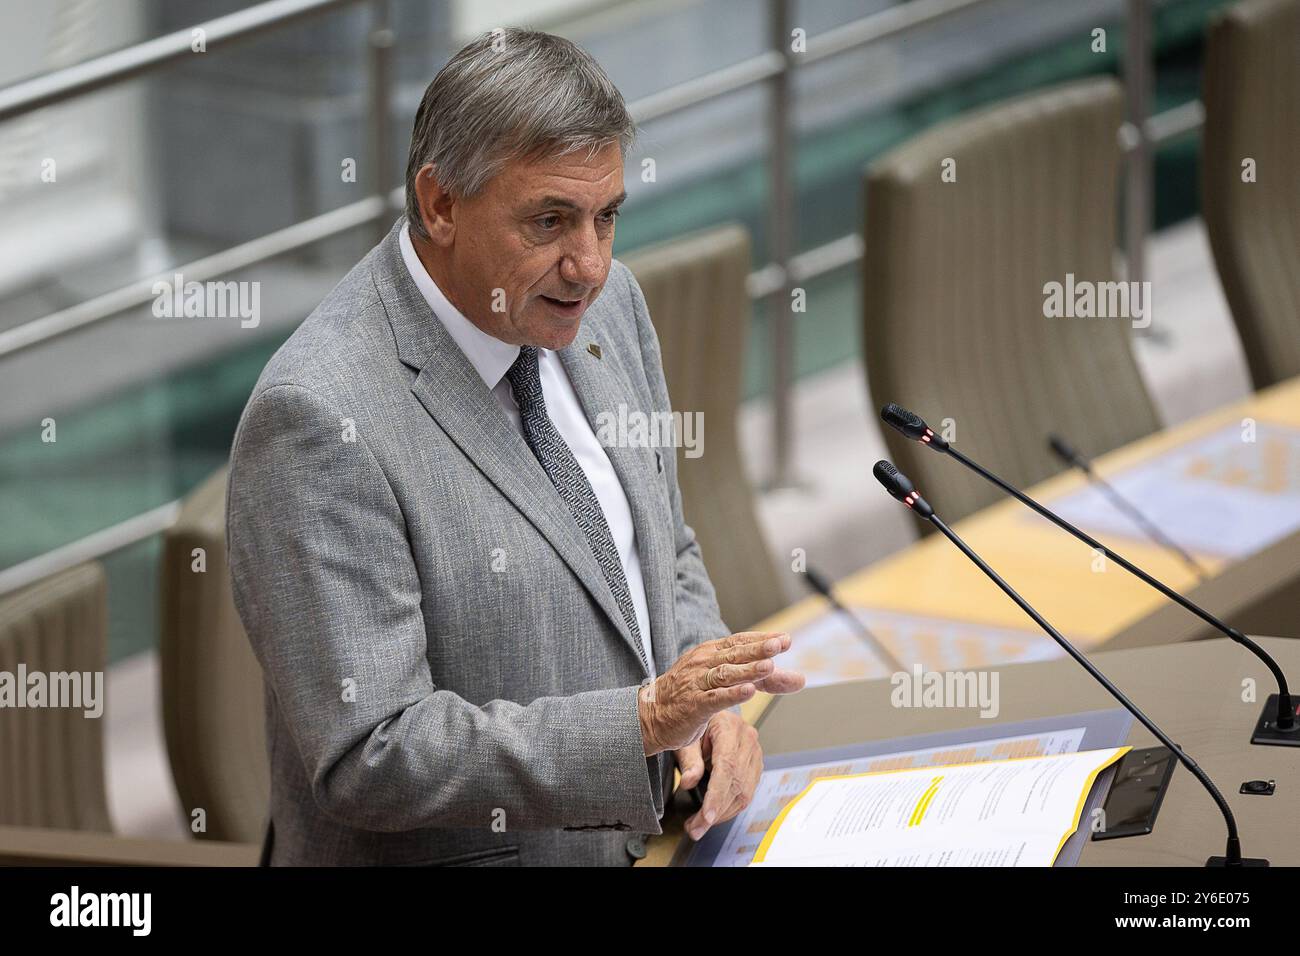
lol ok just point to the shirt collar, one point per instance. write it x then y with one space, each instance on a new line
490 356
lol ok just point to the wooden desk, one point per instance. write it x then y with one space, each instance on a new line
1193 691
1054 571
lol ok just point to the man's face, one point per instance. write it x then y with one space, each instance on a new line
531 250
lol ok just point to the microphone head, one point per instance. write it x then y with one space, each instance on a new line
900 419
912 425
817 582
895 481
898 485
1063 450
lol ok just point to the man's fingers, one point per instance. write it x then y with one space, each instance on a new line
724 697
746 646
753 651
727 675
695 826
749 637
735 768
742 790
711 677
731 750
746 782
717 798
690 760
781 681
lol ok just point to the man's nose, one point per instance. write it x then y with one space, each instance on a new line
582 263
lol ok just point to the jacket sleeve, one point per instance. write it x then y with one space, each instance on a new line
329 594
696 604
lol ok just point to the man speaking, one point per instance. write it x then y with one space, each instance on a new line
487 638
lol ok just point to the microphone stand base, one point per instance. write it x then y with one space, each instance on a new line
1266 732
1245 861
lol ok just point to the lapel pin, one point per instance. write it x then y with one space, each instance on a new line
594 349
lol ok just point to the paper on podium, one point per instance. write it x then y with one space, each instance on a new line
1015 812
1218 494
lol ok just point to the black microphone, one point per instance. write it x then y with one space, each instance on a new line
1067 454
823 587
900 419
896 484
1283 729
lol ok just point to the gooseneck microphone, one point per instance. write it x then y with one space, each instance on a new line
1281 729
1064 451
824 587
896 483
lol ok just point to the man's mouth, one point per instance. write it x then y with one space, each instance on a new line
565 307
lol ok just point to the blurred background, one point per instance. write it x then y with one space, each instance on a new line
127 155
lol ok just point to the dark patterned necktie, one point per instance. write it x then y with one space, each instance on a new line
571 482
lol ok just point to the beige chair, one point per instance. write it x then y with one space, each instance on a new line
213 709
1252 111
30 846
52 758
953 291
695 289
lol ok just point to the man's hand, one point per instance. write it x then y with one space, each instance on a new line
707 679
730 750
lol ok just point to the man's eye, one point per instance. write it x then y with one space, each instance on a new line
548 222
608 217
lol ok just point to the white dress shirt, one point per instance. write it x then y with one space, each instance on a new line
492 358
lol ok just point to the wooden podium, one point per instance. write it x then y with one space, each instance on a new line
1193 691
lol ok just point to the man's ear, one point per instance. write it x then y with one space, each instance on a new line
438 207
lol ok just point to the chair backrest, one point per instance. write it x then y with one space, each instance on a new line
52 757
955 290
1252 118
212 692
694 287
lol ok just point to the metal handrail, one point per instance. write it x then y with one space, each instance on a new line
141 58
880 26
729 79
135 294
761 284
69 82
1175 122
94 74
123 534
773 66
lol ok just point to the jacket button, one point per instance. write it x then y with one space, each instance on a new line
636 848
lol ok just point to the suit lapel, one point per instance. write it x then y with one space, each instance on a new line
454 394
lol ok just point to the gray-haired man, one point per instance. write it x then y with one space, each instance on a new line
483 633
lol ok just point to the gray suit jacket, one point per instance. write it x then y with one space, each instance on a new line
448 676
